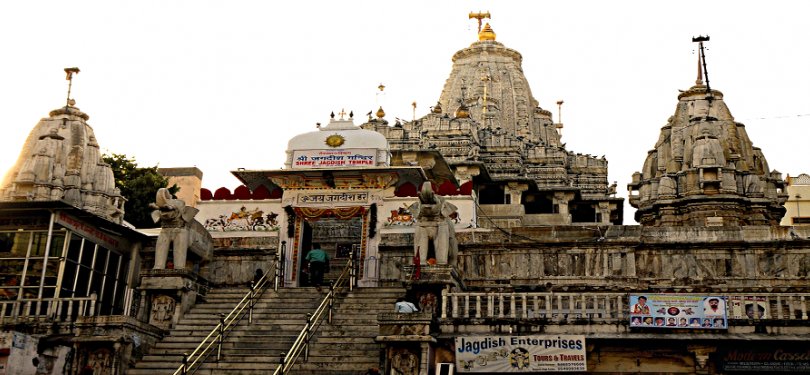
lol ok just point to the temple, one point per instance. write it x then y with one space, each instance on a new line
511 247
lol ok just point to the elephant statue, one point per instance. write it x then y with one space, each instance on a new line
175 219
434 225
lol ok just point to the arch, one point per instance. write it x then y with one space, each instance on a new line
261 192
276 193
205 195
406 190
242 193
222 194
466 188
447 188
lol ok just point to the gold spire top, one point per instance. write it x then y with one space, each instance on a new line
486 33
380 113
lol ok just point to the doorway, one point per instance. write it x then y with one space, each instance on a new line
337 237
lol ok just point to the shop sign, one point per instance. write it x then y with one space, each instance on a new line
528 354
774 360
678 311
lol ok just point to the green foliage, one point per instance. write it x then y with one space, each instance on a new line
139 186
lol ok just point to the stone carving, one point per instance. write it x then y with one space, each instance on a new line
434 225
667 187
403 362
162 311
175 219
100 362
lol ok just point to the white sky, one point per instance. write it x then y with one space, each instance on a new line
223 85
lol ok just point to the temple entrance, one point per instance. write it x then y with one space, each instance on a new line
337 237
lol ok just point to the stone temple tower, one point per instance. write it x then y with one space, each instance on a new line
705 171
494 135
60 160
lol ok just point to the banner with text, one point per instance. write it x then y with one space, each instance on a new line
356 157
536 353
678 311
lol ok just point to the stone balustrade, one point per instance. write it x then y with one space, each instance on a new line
56 309
605 307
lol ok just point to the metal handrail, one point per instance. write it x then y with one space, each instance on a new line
226 323
347 278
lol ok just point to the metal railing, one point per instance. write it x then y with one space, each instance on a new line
53 309
213 342
347 279
602 306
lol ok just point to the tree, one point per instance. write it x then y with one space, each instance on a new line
139 186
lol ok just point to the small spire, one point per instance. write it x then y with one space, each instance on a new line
332 115
486 33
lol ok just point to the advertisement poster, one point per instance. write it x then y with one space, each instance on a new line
529 354
748 307
678 311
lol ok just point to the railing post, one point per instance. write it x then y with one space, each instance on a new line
281 362
250 302
352 270
331 301
279 266
220 336
184 361
306 337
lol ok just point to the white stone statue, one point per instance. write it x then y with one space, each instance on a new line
175 219
434 225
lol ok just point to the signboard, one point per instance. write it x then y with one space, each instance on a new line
528 354
678 311
779 359
748 307
333 198
356 157
91 232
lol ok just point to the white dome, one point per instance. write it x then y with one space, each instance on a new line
340 135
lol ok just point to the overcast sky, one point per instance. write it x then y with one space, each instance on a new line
223 85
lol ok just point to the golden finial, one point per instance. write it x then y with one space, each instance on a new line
342 113
380 113
486 33
381 87
462 111
479 16
437 109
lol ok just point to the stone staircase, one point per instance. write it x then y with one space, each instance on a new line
346 346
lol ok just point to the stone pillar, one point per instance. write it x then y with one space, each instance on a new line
515 191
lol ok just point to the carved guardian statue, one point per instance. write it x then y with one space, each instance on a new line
175 219
435 226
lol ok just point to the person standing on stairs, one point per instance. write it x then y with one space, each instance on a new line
318 259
